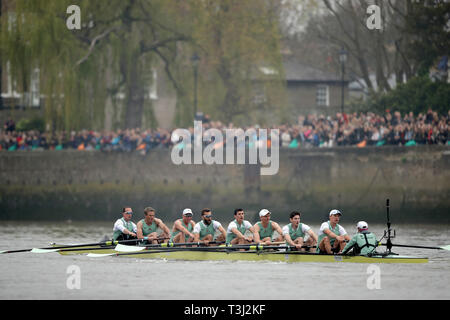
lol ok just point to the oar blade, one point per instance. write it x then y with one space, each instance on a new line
446 247
3 251
100 255
38 250
124 248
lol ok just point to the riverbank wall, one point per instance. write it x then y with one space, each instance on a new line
94 185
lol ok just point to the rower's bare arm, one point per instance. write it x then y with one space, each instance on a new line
277 228
223 232
196 237
140 235
185 231
313 235
178 226
288 239
255 231
159 223
330 233
238 234
193 225
126 231
163 227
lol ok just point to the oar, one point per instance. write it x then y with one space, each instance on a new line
222 248
114 244
57 248
212 249
125 248
121 247
86 249
101 255
105 245
447 247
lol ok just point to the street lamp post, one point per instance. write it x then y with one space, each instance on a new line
195 59
343 60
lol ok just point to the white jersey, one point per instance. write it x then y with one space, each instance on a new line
247 225
326 226
197 227
305 229
119 226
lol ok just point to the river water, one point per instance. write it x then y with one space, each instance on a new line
47 276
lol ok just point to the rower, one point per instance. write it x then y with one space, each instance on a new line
124 228
265 228
182 228
147 227
332 236
206 229
363 243
238 227
295 233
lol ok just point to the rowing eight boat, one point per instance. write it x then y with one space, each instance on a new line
250 255
270 256
278 252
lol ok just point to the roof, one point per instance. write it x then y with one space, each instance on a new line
296 71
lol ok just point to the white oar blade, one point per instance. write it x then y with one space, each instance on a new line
446 247
124 248
2 251
37 250
100 255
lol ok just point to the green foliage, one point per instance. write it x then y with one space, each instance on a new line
40 39
236 38
105 67
36 123
417 95
427 23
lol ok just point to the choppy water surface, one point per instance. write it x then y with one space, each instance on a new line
44 276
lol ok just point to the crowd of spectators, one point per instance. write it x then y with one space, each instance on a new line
121 140
354 129
368 129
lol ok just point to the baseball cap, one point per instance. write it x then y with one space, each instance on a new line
362 225
187 211
263 212
335 211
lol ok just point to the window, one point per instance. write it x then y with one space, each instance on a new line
322 96
153 86
259 98
34 88
31 98
259 95
10 84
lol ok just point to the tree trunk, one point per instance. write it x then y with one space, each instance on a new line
135 100
135 94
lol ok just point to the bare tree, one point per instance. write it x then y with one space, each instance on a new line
383 52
